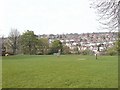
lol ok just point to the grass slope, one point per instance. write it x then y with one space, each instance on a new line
70 71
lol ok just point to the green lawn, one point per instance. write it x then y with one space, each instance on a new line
70 71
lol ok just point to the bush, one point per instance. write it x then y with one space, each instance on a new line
66 50
3 53
9 53
39 53
111 51
86 52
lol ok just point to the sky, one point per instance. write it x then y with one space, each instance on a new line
47 16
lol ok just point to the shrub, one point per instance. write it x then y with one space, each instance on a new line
86 52
111 51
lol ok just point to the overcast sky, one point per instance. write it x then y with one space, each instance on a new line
47 16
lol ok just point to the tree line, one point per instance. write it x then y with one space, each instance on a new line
29 43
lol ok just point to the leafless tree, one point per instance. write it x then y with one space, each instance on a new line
13 40
108 12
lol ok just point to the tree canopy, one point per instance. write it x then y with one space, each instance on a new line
28 42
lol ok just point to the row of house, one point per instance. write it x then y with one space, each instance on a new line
82 41
85 40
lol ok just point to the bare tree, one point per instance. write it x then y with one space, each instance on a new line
108 12
13 40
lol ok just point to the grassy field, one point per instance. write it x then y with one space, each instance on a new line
70 71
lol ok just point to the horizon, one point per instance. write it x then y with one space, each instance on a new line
68 33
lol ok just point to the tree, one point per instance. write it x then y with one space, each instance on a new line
2 46
109 15
13 40
118 44
66 50
56 46
108 12
76 50
42 46
28 42
112 51
86 52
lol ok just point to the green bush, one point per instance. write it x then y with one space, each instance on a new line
111 51
86 52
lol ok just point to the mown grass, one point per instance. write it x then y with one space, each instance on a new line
70 71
